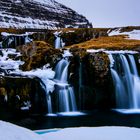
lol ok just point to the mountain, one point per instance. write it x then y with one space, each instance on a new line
39 14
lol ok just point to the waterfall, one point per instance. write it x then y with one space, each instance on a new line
126 81
27 39
10 40
58 41
66 97
1 45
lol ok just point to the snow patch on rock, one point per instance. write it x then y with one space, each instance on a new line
135 34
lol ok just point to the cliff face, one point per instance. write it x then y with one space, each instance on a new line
39 14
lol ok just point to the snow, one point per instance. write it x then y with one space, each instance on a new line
9 34
135 34
9 131
45 2
45 74
27 22
53 6
14 132
111 52
6 62
9 19
96 133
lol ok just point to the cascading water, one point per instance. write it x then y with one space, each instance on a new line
58 42
27 39
64 102
0 45
126 81
66 97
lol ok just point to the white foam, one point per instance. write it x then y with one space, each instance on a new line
128 111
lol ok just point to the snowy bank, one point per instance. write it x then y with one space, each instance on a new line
13 132
9 131
97 133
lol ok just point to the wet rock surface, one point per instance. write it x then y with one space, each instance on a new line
90 75
20 93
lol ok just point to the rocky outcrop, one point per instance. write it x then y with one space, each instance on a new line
38 54
70 36
90 75
22 94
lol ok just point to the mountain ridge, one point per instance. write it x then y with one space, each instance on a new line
43 14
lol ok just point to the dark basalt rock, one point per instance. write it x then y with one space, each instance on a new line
91 77
19 92
77 36
69 36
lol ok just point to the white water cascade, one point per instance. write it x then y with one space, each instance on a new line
65 92
126 82
0 45
58 42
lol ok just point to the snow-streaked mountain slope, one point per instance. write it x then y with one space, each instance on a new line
39 14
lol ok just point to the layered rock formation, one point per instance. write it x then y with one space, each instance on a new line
36 14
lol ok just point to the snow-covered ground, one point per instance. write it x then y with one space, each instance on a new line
96 133
9 131
135 34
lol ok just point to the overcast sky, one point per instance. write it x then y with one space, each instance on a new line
107 13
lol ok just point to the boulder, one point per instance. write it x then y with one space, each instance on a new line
37 54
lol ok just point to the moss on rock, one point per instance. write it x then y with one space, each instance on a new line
37 54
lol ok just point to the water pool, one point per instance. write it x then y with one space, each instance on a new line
40 132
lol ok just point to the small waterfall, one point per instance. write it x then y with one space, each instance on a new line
49 102
66 97
27 39
10 40
58 42
1 45
133 65
126 81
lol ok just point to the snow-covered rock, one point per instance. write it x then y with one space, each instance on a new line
38 14
12 67
134 34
